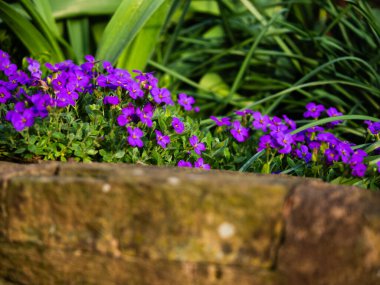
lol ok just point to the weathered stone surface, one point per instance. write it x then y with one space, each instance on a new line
122 224
332 235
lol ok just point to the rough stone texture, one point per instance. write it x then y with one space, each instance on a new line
69 223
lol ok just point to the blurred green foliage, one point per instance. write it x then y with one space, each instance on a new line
58 30
274 56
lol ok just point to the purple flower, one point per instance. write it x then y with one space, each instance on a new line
34 68
374 128
104 81
200 164
327 137
134 90
161 96
3 56
178 126
162 140
303 153
19 77
134 138
186 101
277 126
224 121
5 95
198 146
111 100
244 112
357 157
313 110
333 112
78 79
265 142
22 120
331 155
147 80
260 122
9 68
146 114
107 66
345 151
378 166
66 97
358 170
183 163
285 140
315 129
314 145
60 81
126 115
89 64
292 125
239 132
41 101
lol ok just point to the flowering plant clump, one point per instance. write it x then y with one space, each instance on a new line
96 112
313 151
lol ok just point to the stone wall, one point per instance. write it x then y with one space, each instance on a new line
120 224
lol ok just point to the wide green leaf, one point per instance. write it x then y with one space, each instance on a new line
124 25
33 40
44 9
136 55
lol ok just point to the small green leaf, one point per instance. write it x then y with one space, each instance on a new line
58 135
120 154
20 150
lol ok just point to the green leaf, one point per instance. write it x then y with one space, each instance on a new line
58 135
332 119
227 153
136 55
44 9
33 40
91 151
120 154
124 25
74 8
79 35
44 28
251 160
20 150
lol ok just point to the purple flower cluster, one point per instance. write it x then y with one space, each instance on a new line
31 95
307 145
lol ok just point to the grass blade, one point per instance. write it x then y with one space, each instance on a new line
332 119
251 160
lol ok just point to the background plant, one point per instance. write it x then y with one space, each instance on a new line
275 56
115 30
